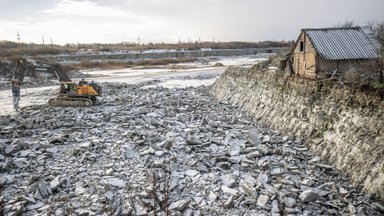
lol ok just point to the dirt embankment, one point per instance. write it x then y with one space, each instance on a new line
341 126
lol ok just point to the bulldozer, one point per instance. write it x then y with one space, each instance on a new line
82 94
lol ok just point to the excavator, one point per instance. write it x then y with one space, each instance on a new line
81 94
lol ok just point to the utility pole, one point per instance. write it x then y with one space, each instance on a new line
43 39
51 42
18 37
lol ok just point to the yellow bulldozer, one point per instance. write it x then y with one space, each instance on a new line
83 93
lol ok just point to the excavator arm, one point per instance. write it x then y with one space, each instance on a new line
29 66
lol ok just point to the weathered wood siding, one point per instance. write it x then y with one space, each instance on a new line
304 61
344 66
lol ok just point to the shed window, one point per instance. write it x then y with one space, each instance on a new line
301 46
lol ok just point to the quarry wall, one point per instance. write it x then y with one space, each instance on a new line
340 125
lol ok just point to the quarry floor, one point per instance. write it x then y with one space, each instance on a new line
158 144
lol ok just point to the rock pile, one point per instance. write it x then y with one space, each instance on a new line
163 152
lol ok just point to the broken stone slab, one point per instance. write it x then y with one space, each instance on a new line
275 211
277 171
116 182
235 147
85 145
379 207
179 205
290 202
343 191
79 190
229 201
254 137
52 150
34 206
148 151
228 180
262 200
308 182
55 183
166 144
248 189
108 195
310 195
10 149
229 191
191 173
212 197
29 199
324 166
44 189
84 212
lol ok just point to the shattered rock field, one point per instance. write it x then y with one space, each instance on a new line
159 151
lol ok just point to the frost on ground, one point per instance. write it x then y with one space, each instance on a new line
161 151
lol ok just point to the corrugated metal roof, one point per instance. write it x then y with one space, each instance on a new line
342 43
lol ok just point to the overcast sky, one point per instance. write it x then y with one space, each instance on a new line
106 21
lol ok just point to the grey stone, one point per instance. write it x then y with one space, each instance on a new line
43 188
310 195
275 208
229 191
116 182
228 180
212 196
352 209
167 144
343 191
308 182
262 200
29 199
248 189
324 166
108 195
10 149
55 183
229 201
290 202
79 190
34 206
179 205
235 147
254 137
38 195
85 145
379 207
52 150
191 173
277 171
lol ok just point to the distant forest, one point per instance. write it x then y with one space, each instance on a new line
11 49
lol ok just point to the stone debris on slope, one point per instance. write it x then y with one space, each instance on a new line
163 151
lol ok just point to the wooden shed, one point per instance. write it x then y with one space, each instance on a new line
320 52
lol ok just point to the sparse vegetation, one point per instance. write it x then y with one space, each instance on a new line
272 61
119 65
9 49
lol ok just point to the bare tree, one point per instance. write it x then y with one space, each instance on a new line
345 24
378 29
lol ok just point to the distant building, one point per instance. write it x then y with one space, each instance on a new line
321 52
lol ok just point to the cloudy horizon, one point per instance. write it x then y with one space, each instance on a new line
113 21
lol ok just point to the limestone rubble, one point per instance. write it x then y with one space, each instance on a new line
161 151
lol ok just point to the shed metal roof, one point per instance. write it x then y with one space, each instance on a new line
342 43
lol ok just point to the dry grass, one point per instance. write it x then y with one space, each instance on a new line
148 63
